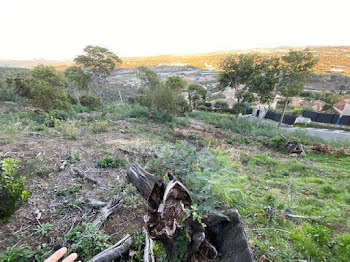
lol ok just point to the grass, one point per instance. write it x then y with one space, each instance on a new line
256 128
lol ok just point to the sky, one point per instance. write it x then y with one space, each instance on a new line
60 29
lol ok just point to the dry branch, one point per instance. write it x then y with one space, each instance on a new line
106 211
115 251
82 174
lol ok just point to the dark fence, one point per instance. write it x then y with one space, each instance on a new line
327 118
288 119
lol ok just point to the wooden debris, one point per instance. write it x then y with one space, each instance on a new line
115 251
171 211
293 148
106 211
148 255
82 174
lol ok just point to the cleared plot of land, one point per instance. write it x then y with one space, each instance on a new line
293 208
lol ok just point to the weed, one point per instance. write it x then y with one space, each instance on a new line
69 130
16 254
98 126
343 248
110 162
87 240
43 229
70 192
12 189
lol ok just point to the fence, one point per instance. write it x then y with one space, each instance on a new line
327 118
288 119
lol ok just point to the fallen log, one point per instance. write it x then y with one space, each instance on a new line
171 211
81 173
106 211
115 251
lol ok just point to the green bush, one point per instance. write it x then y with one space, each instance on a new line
98 126
221 104
90 101
110 162
87 241
69 130
16 254
208 174
297 111
12 193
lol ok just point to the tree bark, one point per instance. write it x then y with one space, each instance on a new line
284 111
115 251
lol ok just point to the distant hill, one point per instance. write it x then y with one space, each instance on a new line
335 60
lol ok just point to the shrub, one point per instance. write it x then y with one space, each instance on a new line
220 104
159 95
87 240
12 193
208 175
16 254
90 101
297 111
98 126
69 130
109 162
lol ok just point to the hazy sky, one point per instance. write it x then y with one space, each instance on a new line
60 29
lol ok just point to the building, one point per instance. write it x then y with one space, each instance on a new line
316 105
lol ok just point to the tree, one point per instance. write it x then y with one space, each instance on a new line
196 93
264 79
149 78
48 88
294 72
99 62
257 76
158 95
237 72
176 82
77 79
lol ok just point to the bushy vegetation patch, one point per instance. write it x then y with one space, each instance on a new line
87 241
90 101
12 193
16 254
110 162
207 173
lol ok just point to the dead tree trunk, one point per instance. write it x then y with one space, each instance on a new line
170 211
115 251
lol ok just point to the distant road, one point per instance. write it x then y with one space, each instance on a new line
327 134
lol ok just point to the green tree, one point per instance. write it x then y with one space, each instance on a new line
236 73
149 78
196 93
176 82
295 71
77 79
264 79
48 88
99 62
158 95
